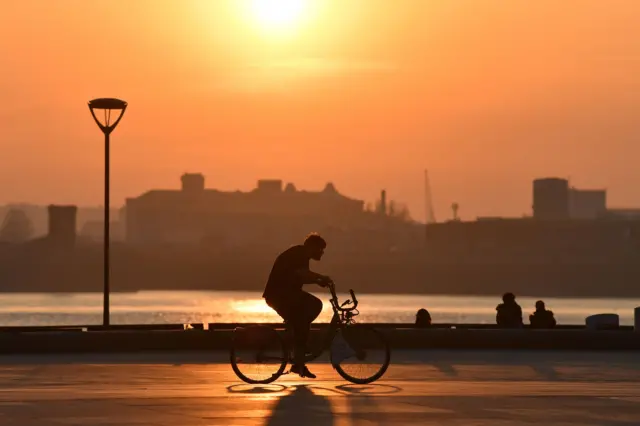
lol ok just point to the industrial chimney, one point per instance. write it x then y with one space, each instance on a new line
383 202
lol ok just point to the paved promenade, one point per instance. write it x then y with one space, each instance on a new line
425 388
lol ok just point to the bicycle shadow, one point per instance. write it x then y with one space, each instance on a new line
301 403
256 389
370 389
295 402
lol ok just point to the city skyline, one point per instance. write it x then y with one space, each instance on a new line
600 194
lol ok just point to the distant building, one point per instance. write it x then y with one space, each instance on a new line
553 199
623 214
587 203
570 227
550 199
195 213
93 230
62 225
500 242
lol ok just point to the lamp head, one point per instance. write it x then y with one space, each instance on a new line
107 105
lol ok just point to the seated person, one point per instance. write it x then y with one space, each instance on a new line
509 313
542 318
423 318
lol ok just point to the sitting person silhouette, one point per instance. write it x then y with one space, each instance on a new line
423 318
509 313
542 318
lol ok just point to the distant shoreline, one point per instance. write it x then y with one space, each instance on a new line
399 293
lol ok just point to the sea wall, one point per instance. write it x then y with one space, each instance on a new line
42 342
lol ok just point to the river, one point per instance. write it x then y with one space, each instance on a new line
148 307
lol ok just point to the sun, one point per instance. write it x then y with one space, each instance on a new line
278 15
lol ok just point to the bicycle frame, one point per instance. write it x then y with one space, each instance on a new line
341 317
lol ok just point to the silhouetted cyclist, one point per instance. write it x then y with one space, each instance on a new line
284 294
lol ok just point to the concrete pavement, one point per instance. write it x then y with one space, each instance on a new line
421 387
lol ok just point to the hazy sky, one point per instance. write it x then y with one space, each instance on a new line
366 93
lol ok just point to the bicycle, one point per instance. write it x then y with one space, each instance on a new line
259 354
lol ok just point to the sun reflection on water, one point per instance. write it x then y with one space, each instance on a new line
182 307
251 306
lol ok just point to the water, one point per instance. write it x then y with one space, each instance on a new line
148 307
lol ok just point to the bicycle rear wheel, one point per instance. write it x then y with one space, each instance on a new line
258 354
360 354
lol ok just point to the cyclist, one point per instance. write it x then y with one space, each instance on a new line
284 294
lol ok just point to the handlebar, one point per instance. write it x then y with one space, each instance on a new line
334 299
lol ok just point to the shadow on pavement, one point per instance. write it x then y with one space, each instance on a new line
547 372
255 389
370 389
544 371
301 406
445 368
367 402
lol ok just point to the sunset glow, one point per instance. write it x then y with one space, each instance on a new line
485 95
278 16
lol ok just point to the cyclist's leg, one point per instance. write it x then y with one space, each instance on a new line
307 309
312 306
286 309
299 310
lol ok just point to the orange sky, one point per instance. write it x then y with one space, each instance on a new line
366 93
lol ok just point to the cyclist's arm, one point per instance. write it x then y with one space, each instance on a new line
310 277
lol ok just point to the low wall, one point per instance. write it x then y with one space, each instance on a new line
399 338
231 326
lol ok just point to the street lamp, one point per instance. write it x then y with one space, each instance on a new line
107 105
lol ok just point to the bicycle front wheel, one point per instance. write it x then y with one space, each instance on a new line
360 354
258 354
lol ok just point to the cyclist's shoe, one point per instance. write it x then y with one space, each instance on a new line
303 372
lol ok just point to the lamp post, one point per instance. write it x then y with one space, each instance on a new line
107 105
